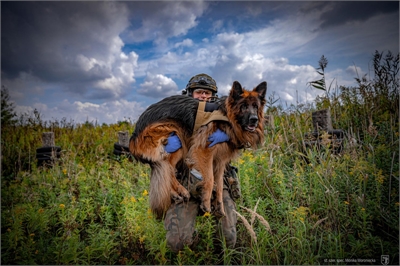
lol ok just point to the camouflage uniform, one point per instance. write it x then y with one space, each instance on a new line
180 218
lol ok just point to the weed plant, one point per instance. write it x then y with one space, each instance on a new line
298 206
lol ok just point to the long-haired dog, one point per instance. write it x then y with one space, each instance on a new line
177 115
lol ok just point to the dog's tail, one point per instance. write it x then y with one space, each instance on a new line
160 187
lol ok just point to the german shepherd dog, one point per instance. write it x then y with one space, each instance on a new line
177 115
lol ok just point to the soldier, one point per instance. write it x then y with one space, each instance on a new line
180 218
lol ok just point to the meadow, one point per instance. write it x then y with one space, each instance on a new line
299 205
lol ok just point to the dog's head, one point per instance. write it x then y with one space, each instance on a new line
248 105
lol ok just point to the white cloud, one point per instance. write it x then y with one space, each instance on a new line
85 63
184 43
122 72
158 86
217 25
354 71
286 96
108 112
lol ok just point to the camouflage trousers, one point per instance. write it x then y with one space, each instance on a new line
180 218
180 223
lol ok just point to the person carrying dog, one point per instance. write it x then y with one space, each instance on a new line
180 218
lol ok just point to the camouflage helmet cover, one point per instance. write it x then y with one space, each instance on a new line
203 81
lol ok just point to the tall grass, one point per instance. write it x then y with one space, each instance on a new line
298 206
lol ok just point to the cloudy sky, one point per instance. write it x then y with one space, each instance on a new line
107 61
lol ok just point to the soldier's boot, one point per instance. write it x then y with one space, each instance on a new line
180 224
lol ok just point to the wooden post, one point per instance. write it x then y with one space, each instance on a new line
49 152
322 120
48 139
123 138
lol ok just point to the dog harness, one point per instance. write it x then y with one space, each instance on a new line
205 115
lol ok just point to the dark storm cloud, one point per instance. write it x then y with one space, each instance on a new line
341 12
44 39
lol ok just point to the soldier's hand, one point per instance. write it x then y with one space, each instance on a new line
218 136
173 144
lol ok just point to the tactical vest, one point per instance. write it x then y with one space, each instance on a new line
204 116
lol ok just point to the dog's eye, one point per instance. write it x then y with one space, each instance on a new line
244 107
255 106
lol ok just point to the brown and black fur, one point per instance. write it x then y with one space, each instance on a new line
244 110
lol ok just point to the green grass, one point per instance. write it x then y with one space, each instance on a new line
92 208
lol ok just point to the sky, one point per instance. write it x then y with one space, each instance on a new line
108 61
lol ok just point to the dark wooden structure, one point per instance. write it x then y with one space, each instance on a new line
324 135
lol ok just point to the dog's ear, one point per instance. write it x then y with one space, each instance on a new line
236 90
261 89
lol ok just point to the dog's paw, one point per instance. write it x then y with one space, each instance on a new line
183 192
199 186
177 199
205 207
219 210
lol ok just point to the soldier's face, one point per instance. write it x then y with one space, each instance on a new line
202 94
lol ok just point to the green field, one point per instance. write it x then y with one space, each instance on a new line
298 206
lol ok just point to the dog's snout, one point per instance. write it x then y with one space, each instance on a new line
253 119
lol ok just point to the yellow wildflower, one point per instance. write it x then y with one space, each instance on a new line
145 193
133 199
206 214
363 209
62 206
124 201
40 210
380 177
142 174
64 171
303 210
141 239
346 202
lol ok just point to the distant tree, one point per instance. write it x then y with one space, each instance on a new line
7 108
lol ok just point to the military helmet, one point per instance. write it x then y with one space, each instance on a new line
203 81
